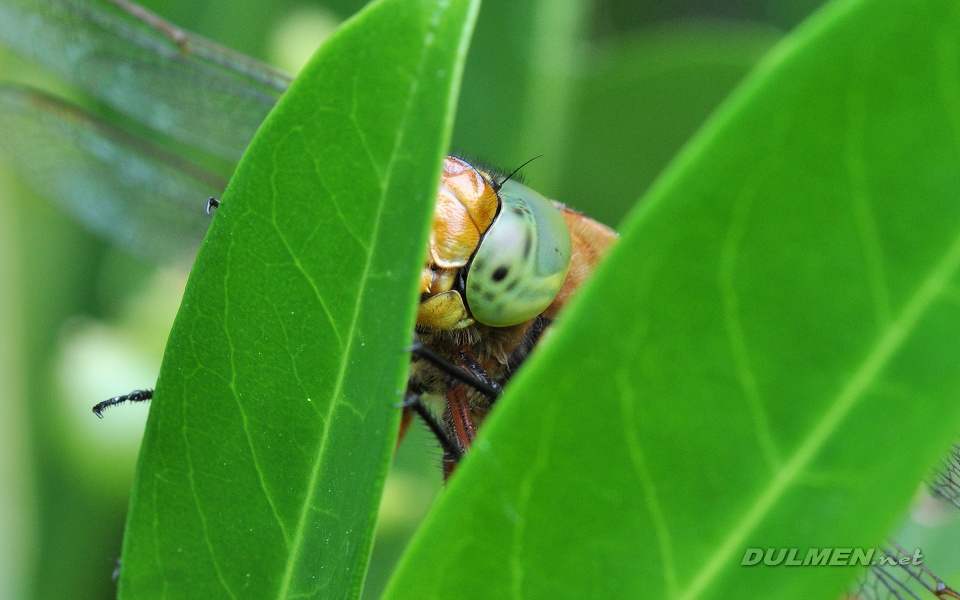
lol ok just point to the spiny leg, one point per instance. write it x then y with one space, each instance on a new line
449 464
460 432
469 364
463 427
460 419
134 396
406 418
141 395
412 402
483 384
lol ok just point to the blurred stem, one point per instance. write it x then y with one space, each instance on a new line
79 529
557 40
52 275
18 494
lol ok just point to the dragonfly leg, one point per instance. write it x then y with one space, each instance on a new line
406 417
449 464
412 404
459 427
468 363
460 416
472 374
134 396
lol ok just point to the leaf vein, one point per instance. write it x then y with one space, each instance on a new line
641 468
295 260
862 209
523 499
191 477
735 335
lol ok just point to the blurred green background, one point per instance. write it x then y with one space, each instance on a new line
82 321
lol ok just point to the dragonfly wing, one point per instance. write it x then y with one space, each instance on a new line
176 83
132 192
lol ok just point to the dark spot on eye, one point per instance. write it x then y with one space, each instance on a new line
488 296
527 245
512 285
518 211
500 273
475 286
478 263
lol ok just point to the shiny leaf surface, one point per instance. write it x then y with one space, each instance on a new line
274 419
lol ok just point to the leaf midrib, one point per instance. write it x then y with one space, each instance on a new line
293 555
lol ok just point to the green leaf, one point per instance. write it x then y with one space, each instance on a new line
274 416
768 358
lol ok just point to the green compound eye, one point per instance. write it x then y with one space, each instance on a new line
522 259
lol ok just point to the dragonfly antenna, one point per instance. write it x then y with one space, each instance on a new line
497 185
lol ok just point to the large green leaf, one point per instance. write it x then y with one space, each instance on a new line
273 423
768 359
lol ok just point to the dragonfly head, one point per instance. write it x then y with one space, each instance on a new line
498 252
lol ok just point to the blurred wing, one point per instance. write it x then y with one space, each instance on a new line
174 82
896 576
132 192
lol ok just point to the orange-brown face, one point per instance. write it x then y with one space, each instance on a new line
466 206
502 262
500 253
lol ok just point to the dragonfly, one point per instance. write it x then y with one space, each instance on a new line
502 261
